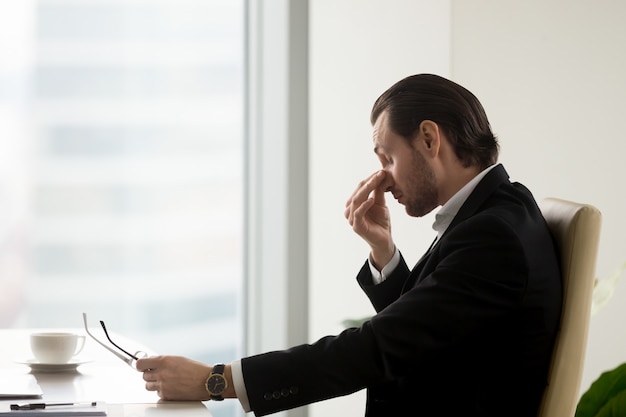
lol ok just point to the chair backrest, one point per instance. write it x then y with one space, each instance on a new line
576 231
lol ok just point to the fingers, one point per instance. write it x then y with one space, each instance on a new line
379 193
149 376
148 367
157 387
152 382
373 183
143 364
174 377
358 215
364 188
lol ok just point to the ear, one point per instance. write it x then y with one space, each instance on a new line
430 137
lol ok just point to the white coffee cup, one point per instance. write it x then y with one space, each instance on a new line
56 347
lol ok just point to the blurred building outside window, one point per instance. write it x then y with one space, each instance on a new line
121 170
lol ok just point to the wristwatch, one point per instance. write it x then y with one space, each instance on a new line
216 382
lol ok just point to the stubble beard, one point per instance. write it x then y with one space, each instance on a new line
422 188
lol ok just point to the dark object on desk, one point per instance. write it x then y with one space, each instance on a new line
41 406
54 409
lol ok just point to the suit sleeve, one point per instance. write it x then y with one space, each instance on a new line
478 280
385 293
331 367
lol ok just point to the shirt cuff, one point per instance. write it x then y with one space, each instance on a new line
239 385
380 276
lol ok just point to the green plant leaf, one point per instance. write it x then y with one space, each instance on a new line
606 397
347 323
616 407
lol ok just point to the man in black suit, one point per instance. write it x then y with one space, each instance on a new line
468 331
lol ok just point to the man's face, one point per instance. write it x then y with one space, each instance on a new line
409 177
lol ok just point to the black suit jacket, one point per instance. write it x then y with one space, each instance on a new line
467 332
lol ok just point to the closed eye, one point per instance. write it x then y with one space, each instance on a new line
384 161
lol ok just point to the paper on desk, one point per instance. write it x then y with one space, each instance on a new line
100 409
19 386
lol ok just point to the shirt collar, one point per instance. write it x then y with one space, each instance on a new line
450 209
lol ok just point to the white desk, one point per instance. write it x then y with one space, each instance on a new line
103 378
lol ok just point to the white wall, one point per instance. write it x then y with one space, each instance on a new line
358 48
551 77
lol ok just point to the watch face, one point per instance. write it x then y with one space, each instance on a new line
216 384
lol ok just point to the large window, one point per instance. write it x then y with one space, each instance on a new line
121 170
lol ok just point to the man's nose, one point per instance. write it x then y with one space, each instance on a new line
387 182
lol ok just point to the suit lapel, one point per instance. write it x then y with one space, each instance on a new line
417 269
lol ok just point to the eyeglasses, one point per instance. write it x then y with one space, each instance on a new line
129 359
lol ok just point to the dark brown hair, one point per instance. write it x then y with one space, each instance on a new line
455 109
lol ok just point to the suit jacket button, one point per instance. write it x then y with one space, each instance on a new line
285 392
267 396
276 395
293 390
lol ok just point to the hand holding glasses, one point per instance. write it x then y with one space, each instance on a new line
130 359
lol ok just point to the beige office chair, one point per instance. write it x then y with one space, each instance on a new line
576 230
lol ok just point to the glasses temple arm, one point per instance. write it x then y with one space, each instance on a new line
113 343
119 355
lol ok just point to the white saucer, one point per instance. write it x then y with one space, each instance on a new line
37 366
